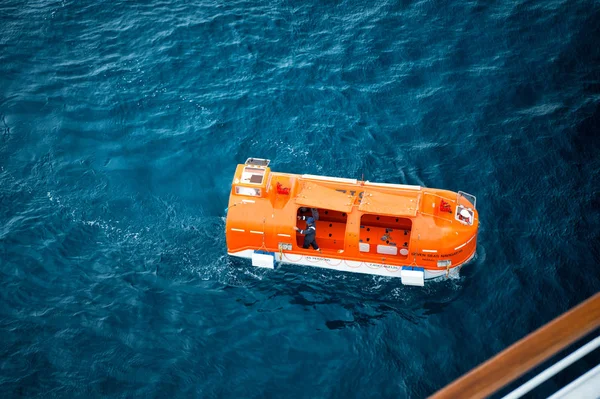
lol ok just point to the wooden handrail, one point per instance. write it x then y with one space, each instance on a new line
526 354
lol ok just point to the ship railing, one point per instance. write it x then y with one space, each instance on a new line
531 351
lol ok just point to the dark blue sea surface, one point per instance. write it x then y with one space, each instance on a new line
121 124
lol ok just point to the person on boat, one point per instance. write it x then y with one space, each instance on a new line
309 234
314 211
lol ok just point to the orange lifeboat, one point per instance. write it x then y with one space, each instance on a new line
393 230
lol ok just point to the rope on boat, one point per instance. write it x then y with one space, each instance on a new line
353 267
326 261
292 260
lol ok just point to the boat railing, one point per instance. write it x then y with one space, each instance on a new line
531 351
423 212
469 197
391 185
439 196
436 216
330 179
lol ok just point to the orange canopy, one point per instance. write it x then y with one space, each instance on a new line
316 196
380 203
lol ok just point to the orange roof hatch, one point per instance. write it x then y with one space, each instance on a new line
316 196
402 204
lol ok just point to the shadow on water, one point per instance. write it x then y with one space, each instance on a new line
363 299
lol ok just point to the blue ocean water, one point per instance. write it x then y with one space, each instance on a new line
121 124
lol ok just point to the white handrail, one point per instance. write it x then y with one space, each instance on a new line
554 369
391 185
439 196
329 178
585 387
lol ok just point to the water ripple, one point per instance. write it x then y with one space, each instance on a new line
120 127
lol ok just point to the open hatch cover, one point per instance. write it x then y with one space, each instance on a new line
380 203
316 196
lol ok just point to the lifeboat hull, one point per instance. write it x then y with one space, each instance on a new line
351 266
411 232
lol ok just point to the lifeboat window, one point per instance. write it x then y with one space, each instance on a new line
250 191
387 250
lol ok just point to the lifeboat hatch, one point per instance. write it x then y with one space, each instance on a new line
258 162
251 178
330 227
253 175
384 235
255 171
